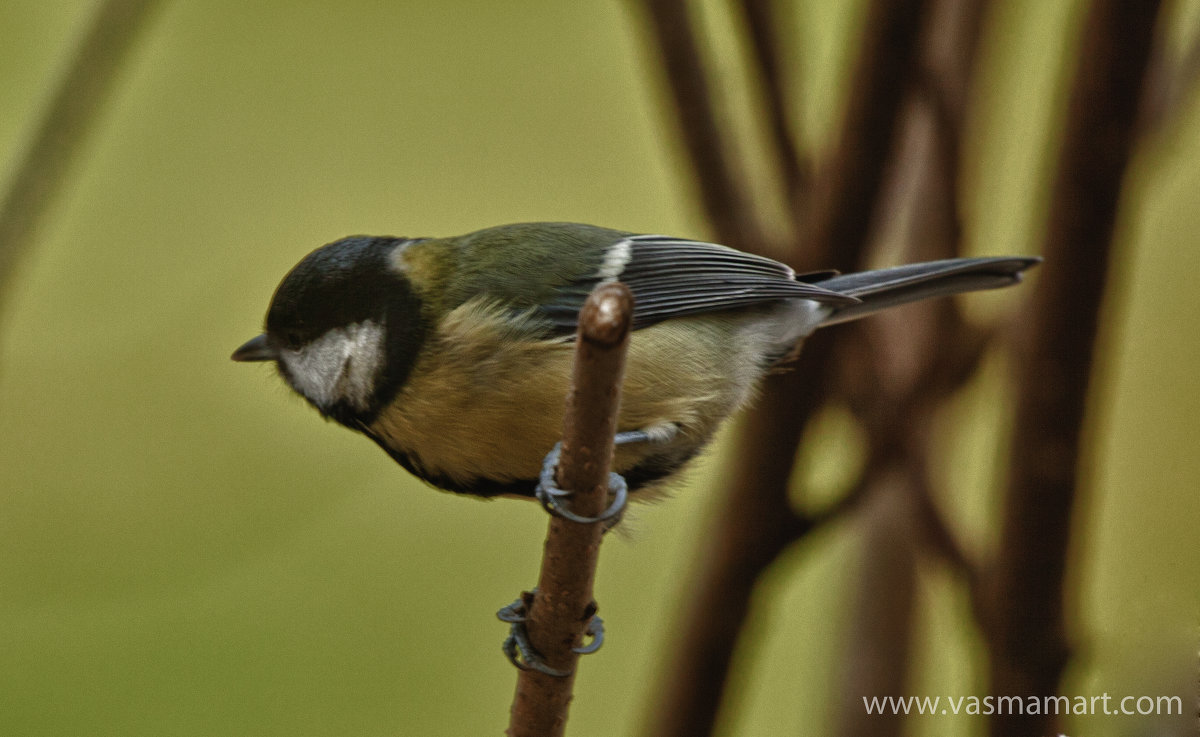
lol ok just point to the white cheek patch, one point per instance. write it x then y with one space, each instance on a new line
341 365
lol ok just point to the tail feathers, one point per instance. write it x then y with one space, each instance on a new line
885 288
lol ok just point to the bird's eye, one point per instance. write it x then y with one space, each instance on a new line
293 339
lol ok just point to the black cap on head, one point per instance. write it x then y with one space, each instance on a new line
344 282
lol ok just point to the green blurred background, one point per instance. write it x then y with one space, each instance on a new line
186 549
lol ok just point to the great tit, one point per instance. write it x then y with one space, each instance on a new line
454 354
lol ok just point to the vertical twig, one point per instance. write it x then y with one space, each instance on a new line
848 184
939 112
765 49
1027 632
721 189
923 196
41 172
876 658
562 605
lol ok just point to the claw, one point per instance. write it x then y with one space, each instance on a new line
520 651
553 498
595 630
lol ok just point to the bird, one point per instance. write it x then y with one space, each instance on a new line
454 354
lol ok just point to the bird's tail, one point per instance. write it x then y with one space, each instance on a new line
896 286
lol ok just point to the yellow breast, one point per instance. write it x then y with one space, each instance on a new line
485 400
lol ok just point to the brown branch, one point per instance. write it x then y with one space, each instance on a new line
934 156
70 116
1027 631
933 151
562 606
890 385
720 185
949 60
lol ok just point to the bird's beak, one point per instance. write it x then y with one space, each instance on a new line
258 348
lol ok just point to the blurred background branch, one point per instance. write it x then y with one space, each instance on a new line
73 110
904 121
778 79
1026 626
717 177
1172 80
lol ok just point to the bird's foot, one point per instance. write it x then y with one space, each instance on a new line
554 499
520 650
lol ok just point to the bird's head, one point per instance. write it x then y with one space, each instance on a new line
343 327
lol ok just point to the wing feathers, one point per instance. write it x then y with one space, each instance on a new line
672 277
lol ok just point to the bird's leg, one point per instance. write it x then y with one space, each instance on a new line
630 436
517 647
553 499
661 433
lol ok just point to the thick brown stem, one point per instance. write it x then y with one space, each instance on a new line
1027 632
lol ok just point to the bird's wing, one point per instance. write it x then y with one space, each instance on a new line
673 277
